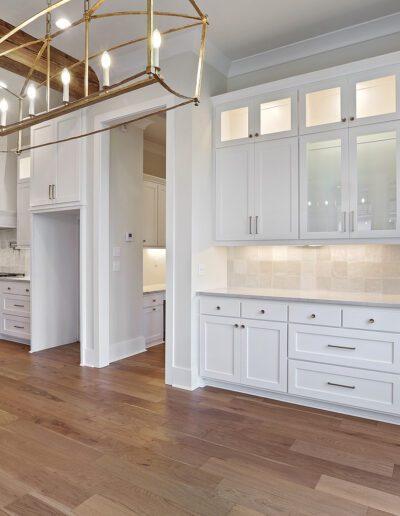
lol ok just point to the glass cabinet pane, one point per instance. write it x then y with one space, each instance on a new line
276 116
323 107
235 124
324 199
376 182
376 97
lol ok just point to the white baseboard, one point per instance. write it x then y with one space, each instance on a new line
184 378
126 348
152 344
305 402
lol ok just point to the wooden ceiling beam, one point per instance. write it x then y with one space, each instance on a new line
21 60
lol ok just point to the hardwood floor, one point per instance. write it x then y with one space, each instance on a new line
117 441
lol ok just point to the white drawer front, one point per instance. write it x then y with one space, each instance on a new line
220 306
153 299
153 324
16 326
265 310
309 313
355 348
16 305
380 319
346 386
21 288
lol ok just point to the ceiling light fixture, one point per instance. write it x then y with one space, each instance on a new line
150 75
3 85
63 23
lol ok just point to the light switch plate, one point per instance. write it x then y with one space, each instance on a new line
116 251
116 265
202 269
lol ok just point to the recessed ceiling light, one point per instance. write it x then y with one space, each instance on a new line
3 84
63 23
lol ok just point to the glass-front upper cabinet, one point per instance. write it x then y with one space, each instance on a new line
276 115
374 97
234 123
324 185
374 181
323 106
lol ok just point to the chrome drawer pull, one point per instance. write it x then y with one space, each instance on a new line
313 316
340 385
341 347
19 327
262 311
218 308
20 306
371 321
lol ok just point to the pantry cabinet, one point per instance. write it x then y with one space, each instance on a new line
57 170
154 212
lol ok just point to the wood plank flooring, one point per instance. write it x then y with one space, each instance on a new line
117 441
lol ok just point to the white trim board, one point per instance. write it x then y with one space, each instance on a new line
296 81
126 348
341 38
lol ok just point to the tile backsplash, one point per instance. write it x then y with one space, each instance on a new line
13 260
344 268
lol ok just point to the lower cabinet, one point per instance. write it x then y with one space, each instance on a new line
153 319
244 351
15 310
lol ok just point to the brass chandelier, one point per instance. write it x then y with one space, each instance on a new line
150 75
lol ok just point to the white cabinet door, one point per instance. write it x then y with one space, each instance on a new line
374 96
68 180
149 214
234 123
375 181
44 163
324 197
276 115
323 106
235 193
23 215
153 325
161 216
264 354
276 189
220 348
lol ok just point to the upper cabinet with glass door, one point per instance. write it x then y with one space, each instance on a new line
268 117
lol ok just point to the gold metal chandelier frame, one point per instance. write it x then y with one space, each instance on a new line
151 75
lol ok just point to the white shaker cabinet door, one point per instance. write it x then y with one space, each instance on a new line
264 354
234 193
149 214
220 348
276 190
161 216
44 165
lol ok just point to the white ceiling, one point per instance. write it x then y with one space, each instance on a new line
238 28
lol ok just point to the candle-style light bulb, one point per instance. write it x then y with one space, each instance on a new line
156 44
31 95
66 79
106 63
3 111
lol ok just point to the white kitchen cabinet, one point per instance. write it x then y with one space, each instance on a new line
220 348
264 354
56 177
23 215
374 167
235 193
15 310
324 195
234 123
276 190
153 318
154 213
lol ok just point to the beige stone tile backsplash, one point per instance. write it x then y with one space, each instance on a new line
345 268
12 260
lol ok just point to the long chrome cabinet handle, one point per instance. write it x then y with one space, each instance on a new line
342 385
250 225
344 222
352 215
50 191
53 190
341 347
256 224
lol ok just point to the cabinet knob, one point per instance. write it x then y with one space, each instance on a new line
27 290
154 300
250 136
8 288
154 309
218 308
236 326
313 316
243 326
352 118
344 119
262 311
256 135
371 321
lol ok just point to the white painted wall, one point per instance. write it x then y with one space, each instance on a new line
154 261
126 213
8 177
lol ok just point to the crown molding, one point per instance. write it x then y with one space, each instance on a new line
360 33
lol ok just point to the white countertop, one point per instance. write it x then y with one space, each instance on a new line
316 296
151 289
20 278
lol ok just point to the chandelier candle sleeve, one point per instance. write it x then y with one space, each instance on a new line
106 63
3 111
66 79
31 95
156 44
